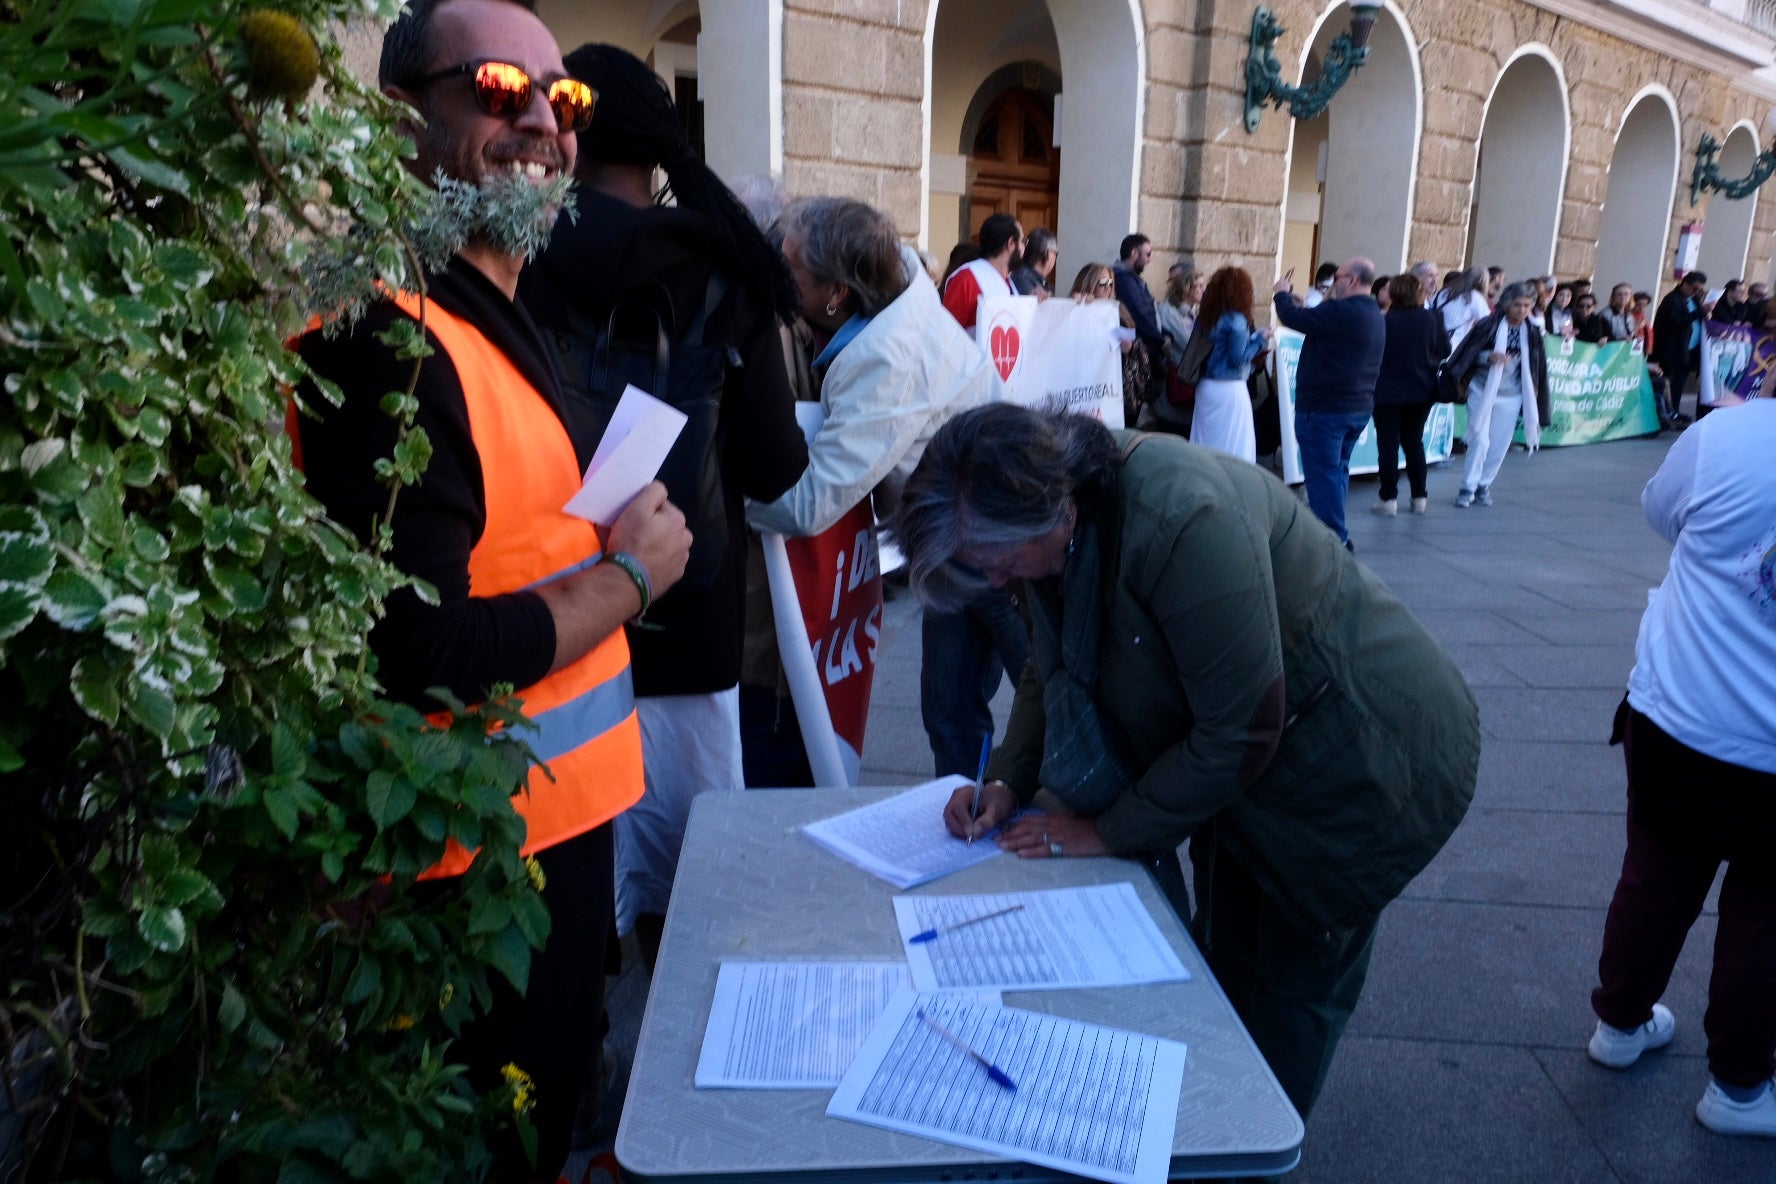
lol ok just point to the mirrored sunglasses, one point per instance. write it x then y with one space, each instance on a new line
503 91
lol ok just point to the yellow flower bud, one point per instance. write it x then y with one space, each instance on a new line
282 60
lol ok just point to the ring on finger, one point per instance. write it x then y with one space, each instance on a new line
1054 849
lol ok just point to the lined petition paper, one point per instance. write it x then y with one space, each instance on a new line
903 839
1091 1100
795 1025
1101 936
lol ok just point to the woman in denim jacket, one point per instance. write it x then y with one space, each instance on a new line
1223 418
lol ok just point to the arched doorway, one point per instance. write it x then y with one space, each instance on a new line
730 97
1352 170
1637 203
1521 170
1100 44
1726 225
1013 166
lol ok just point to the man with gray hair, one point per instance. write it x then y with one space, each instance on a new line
1334 382
1427 274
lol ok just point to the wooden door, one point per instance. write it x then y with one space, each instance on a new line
1016 168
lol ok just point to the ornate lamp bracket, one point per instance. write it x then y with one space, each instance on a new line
1264 74
1706 176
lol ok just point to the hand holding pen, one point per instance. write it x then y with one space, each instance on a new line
980 776
967 820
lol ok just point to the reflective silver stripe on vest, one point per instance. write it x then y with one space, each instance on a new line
569 570
562 729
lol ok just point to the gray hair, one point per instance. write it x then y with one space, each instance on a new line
1362 271
764 197
991 480
1426 271
1521 290
847 242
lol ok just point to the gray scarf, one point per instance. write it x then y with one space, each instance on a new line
1081 762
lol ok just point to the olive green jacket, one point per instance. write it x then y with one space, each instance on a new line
1258 676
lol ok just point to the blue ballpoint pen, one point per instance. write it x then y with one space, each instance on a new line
998 1075
931 934
979 776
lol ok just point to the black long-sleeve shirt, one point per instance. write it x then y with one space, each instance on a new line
463 643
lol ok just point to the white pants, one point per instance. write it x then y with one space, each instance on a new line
689 744
1223 418
1488 443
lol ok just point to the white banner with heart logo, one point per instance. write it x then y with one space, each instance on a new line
1056 353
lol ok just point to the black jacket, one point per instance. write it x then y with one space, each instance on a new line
465 644
1470 359
1671 329
1416 342
1132 290
616 249
1593 329
1341 357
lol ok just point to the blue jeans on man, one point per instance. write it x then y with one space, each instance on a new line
1326 440
964 655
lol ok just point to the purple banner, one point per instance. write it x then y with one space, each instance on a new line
1736 361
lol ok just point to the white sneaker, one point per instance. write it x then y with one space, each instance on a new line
1420 505
1723 1115
1388 509
1464 498
1617 1049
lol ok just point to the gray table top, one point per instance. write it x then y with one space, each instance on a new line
750 887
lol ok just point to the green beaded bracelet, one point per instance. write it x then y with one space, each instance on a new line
636 572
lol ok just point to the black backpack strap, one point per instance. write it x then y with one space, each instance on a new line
713 293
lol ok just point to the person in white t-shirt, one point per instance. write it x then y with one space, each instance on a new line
1698 727
1461 303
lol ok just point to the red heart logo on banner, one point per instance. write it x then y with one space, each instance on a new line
1005 350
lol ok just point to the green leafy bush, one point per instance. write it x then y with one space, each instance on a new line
214 964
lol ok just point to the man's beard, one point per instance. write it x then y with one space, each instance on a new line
481 199
506 212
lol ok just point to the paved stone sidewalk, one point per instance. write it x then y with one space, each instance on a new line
1465 1060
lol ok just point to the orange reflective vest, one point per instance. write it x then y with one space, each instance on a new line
587 734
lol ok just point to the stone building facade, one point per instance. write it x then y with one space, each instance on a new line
1538 134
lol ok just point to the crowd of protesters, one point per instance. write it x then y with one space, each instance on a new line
646 647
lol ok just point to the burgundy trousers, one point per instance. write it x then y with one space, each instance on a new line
1687 814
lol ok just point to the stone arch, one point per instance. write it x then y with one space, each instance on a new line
739 89
1726 225
1520 166
1101 46
1362 202
1641 190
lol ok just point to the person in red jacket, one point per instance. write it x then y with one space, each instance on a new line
1001 246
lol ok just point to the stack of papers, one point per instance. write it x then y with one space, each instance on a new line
1091 1100
903 839
795 1025
1100 936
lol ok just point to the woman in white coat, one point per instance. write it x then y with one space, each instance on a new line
1504 363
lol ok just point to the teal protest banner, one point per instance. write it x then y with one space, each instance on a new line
1596 392
1439 434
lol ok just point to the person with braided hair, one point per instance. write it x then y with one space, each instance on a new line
685 267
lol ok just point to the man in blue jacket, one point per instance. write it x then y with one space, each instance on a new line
1334 382
1132 290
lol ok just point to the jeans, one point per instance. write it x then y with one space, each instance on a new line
1326 440
964 654
1396 428
1687 813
